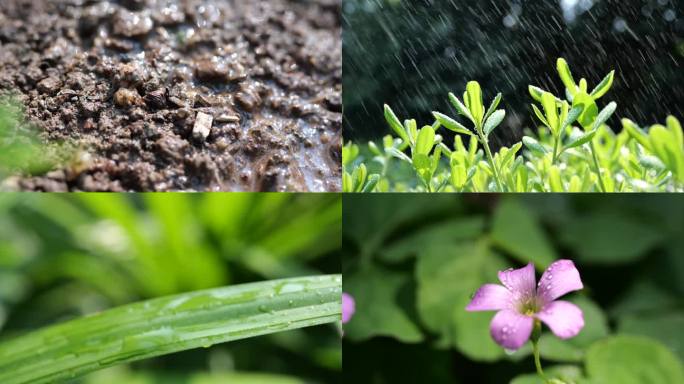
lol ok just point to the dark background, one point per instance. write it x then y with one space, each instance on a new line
410 54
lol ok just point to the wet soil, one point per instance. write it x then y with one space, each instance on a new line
180 95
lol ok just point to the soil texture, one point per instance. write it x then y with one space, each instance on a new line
191 95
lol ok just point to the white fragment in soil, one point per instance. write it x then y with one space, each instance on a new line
225 118
202 126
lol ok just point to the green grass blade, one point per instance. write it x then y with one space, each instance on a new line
169 324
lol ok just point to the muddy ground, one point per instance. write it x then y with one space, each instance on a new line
179 95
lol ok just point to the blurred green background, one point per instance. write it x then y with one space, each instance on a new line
63 256
412 263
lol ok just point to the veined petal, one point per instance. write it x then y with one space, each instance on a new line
564 318
348 307
520 282
510 329
559 278
490 297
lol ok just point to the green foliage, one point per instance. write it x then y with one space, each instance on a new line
516 230
559 157
379 293
21 151
66 256
641 361
413 276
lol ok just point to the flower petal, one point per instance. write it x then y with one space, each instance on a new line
348 307
490 297
564 318
559 278
519 281
510 329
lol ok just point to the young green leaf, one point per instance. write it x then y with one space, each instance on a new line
425 140
636 133
460 108
494 120
566 76
536 92
169 324
603 86
474 98
550 111
583 139
572 116
374 148
349 153
510 154
359 177
458 175
604 115
436 156
347 184
575 184
395 124
371 183
555 181
533 145
411 127
493 106
450 123
540 115
564 108
398 154
589 109
676 128
583 85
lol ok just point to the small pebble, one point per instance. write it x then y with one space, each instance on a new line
49 86
132 24
176 102
156 99
202 101
202 126
225 118
214 69
125 97
249 101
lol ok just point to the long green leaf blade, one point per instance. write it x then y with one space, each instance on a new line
169 324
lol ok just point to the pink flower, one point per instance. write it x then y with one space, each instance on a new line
348 307
520 301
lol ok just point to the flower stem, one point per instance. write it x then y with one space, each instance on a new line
536 333
537 362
